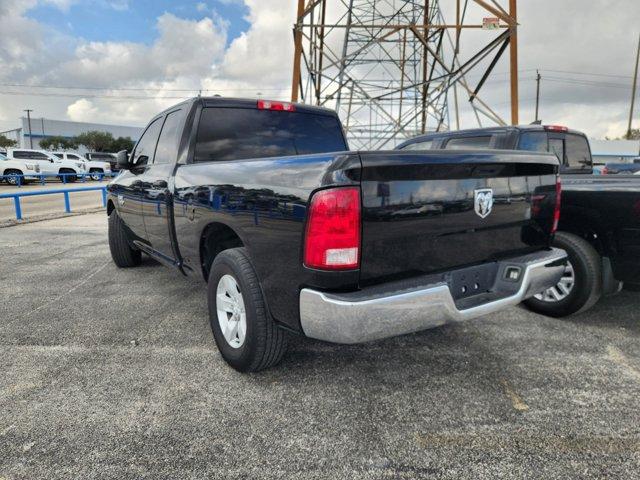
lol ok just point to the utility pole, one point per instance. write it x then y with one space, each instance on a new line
633 89
513 57
537 93
297 54
29 123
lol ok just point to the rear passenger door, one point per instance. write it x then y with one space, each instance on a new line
155 185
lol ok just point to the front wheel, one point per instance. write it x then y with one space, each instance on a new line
246 335
123 254
14 177
581 284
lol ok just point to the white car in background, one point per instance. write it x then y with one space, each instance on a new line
96 169
49 164
14 171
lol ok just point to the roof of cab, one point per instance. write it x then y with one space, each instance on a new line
229 102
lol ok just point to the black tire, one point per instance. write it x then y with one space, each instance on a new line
265 343
67 178
123 254
587 289
96 174
12 176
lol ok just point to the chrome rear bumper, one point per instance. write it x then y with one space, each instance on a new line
372 314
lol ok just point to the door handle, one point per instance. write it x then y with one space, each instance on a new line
160 184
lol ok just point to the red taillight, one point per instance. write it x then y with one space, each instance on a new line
555 128
282 106
556 210
332 238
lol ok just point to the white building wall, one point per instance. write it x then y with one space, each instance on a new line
45 127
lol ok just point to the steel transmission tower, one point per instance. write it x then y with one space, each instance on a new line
387 66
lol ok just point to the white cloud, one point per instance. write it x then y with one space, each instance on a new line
193 54
82 110
264 53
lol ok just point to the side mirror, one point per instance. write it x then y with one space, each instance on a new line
123 160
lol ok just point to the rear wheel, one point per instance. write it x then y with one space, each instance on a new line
96 174
122 253
246 335
581 284
67 177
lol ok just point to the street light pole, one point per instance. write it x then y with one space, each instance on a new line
29 123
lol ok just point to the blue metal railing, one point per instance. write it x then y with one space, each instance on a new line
65 191
41 177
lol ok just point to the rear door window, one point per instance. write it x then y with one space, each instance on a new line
167 150
242 133
468 143
533 142
143 154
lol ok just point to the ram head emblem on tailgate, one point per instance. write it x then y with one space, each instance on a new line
483 201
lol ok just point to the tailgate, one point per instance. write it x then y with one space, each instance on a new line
432 211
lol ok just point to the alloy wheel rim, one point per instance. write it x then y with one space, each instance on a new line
232 316
562 289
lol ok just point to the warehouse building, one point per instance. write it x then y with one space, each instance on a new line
31 131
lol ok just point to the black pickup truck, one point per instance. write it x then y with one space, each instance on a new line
600 219
295 233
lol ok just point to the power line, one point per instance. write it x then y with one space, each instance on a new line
196 89
587 74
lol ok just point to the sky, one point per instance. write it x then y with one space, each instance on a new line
110 61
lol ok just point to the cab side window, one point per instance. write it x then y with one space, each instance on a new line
426 145
468 143
143 153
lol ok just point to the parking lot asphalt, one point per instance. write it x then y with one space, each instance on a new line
111 373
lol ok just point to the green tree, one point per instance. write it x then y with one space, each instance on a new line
95 140
122 143
57 142
633 134
6 142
